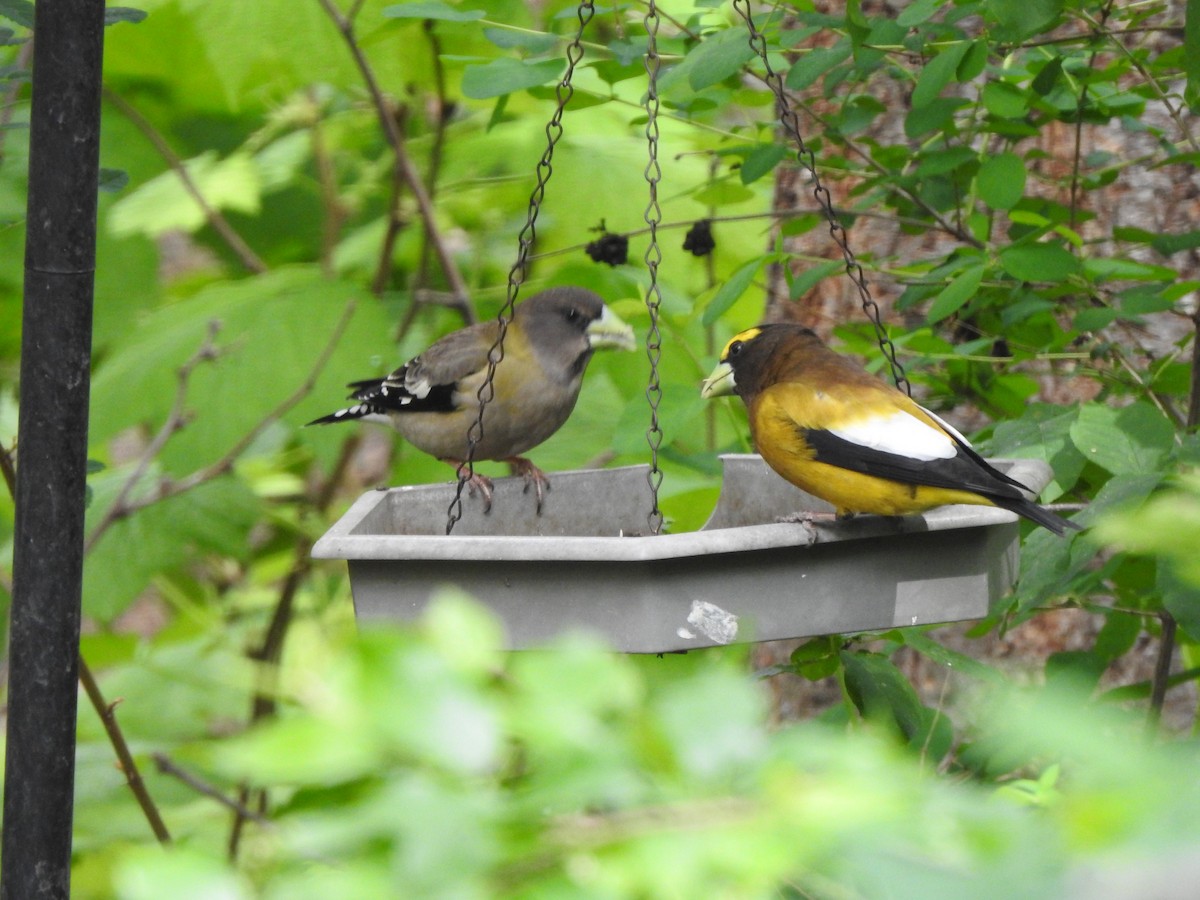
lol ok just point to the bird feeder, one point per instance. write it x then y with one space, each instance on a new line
755 571
594 560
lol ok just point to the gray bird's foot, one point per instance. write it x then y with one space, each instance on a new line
534 478
483 484
476 482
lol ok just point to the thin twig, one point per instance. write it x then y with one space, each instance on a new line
108 718
219 223
269 653
176 420
421 278
9 471
1077 157
404 164
1162 668
1174 112
225 464
165 766
331 203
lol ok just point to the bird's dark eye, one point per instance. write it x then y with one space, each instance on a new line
735 348
572 315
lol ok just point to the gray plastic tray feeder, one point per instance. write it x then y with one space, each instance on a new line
586 563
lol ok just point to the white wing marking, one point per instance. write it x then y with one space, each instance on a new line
901 434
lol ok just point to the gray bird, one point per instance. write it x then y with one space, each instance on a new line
432 400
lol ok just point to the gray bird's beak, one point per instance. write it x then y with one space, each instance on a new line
609 332
719 382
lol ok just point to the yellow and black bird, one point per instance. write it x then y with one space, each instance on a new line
432 400
836 431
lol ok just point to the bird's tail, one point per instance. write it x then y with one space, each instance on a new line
357 411
1035 513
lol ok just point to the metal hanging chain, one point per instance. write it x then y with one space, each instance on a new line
654 434
854 269
516 275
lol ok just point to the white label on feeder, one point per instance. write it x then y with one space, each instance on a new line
713 622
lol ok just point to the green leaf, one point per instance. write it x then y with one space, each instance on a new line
432 9
1181 595
113 181
935 115
1004 100
1038 262
815 63
1020 18
730 291
1131 440
1001 180
810 278
761 160
881 694
1043 432
19 11
530 42
273 329
214 518
716 58
938 73
505 76
1045 80
115 14
162 204
944 656
954 295
1167 244
1116 269
917 12
1191 54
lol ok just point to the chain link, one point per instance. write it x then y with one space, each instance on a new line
806 157
520 268
654 434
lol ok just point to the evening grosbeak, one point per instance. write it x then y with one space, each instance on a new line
836 431
432 400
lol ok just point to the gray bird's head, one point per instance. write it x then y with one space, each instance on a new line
569 323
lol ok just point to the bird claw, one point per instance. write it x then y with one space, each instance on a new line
809 519
484 485
534 478
475 482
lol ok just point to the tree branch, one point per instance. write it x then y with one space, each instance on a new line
176 420
108 718
225 464
164 765
219 223
404 168
270 651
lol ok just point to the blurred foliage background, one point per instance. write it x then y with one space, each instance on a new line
298 194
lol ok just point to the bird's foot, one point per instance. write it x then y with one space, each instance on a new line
483 484
534 477
809 517
476 482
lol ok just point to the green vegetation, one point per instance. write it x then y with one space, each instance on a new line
1040 164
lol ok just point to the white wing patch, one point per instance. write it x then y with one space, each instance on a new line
901 434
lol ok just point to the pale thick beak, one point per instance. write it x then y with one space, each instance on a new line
609 332
719 382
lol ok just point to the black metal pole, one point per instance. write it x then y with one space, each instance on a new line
60 256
